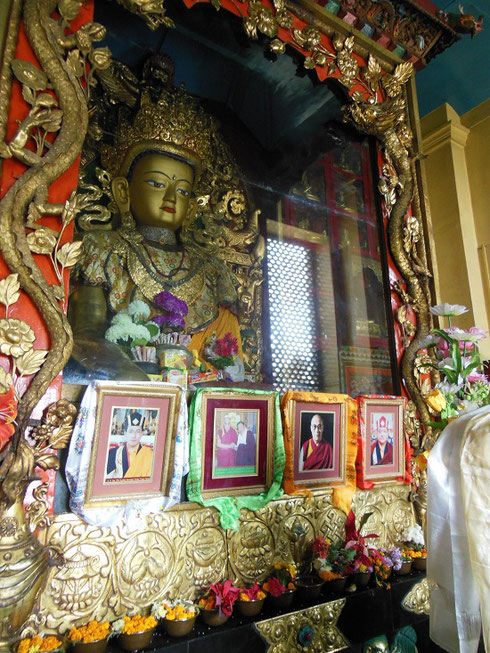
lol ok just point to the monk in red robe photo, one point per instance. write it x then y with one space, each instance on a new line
381 449
226 444
316 452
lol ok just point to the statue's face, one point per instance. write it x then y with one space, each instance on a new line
160 190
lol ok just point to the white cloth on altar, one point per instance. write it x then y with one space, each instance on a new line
455 621
128 516
475 476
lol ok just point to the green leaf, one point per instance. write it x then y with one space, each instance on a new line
364 519
443 334
153 328
456 357
138 342
467 371
437 425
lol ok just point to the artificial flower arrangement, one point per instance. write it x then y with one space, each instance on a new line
94 631
413 538
251 600
221 352
281 579
40 644
132 328
457 358
178 610
138 623
332 560
135 329
220 596
382 566
254 593
394 557
362 562
177 616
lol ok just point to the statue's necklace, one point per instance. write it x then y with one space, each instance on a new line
159 235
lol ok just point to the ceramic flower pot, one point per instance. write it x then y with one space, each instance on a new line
282 601
405 568
420 564
179 627
336 585
99 646
309 588
214 617
362 578
250 608
135 641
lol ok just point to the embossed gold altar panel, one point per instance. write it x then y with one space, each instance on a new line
179 552
283 633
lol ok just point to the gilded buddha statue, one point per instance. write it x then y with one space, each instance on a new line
181 227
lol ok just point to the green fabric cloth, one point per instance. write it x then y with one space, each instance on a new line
229 507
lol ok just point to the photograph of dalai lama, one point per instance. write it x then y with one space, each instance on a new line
131 459
316 450
381 447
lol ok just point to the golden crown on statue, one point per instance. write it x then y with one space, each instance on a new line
176 124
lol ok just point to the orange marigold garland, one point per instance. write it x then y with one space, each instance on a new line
179 610
138 623
91 632
39 644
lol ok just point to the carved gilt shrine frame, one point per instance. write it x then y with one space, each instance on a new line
382 103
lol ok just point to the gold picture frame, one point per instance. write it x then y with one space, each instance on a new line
151 408
371 409
301 409
215 405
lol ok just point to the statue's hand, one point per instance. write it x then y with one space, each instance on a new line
107 359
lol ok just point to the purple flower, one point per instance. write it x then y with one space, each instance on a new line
170 303
169 320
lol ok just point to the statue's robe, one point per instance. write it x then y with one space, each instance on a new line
130 268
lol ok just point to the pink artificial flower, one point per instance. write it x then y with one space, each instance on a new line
476 376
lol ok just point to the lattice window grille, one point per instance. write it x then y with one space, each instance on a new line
292 314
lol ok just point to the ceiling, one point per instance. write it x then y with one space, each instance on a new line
279 102
460 75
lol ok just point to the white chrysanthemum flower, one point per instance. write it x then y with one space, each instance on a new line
159 611
448 388
414 534
117 626
116 333
122 318
139 309
139 331
447 310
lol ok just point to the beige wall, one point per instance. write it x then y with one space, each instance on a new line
458 186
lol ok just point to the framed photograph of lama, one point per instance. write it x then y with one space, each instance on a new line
133 446
382 444
237 432
316 426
